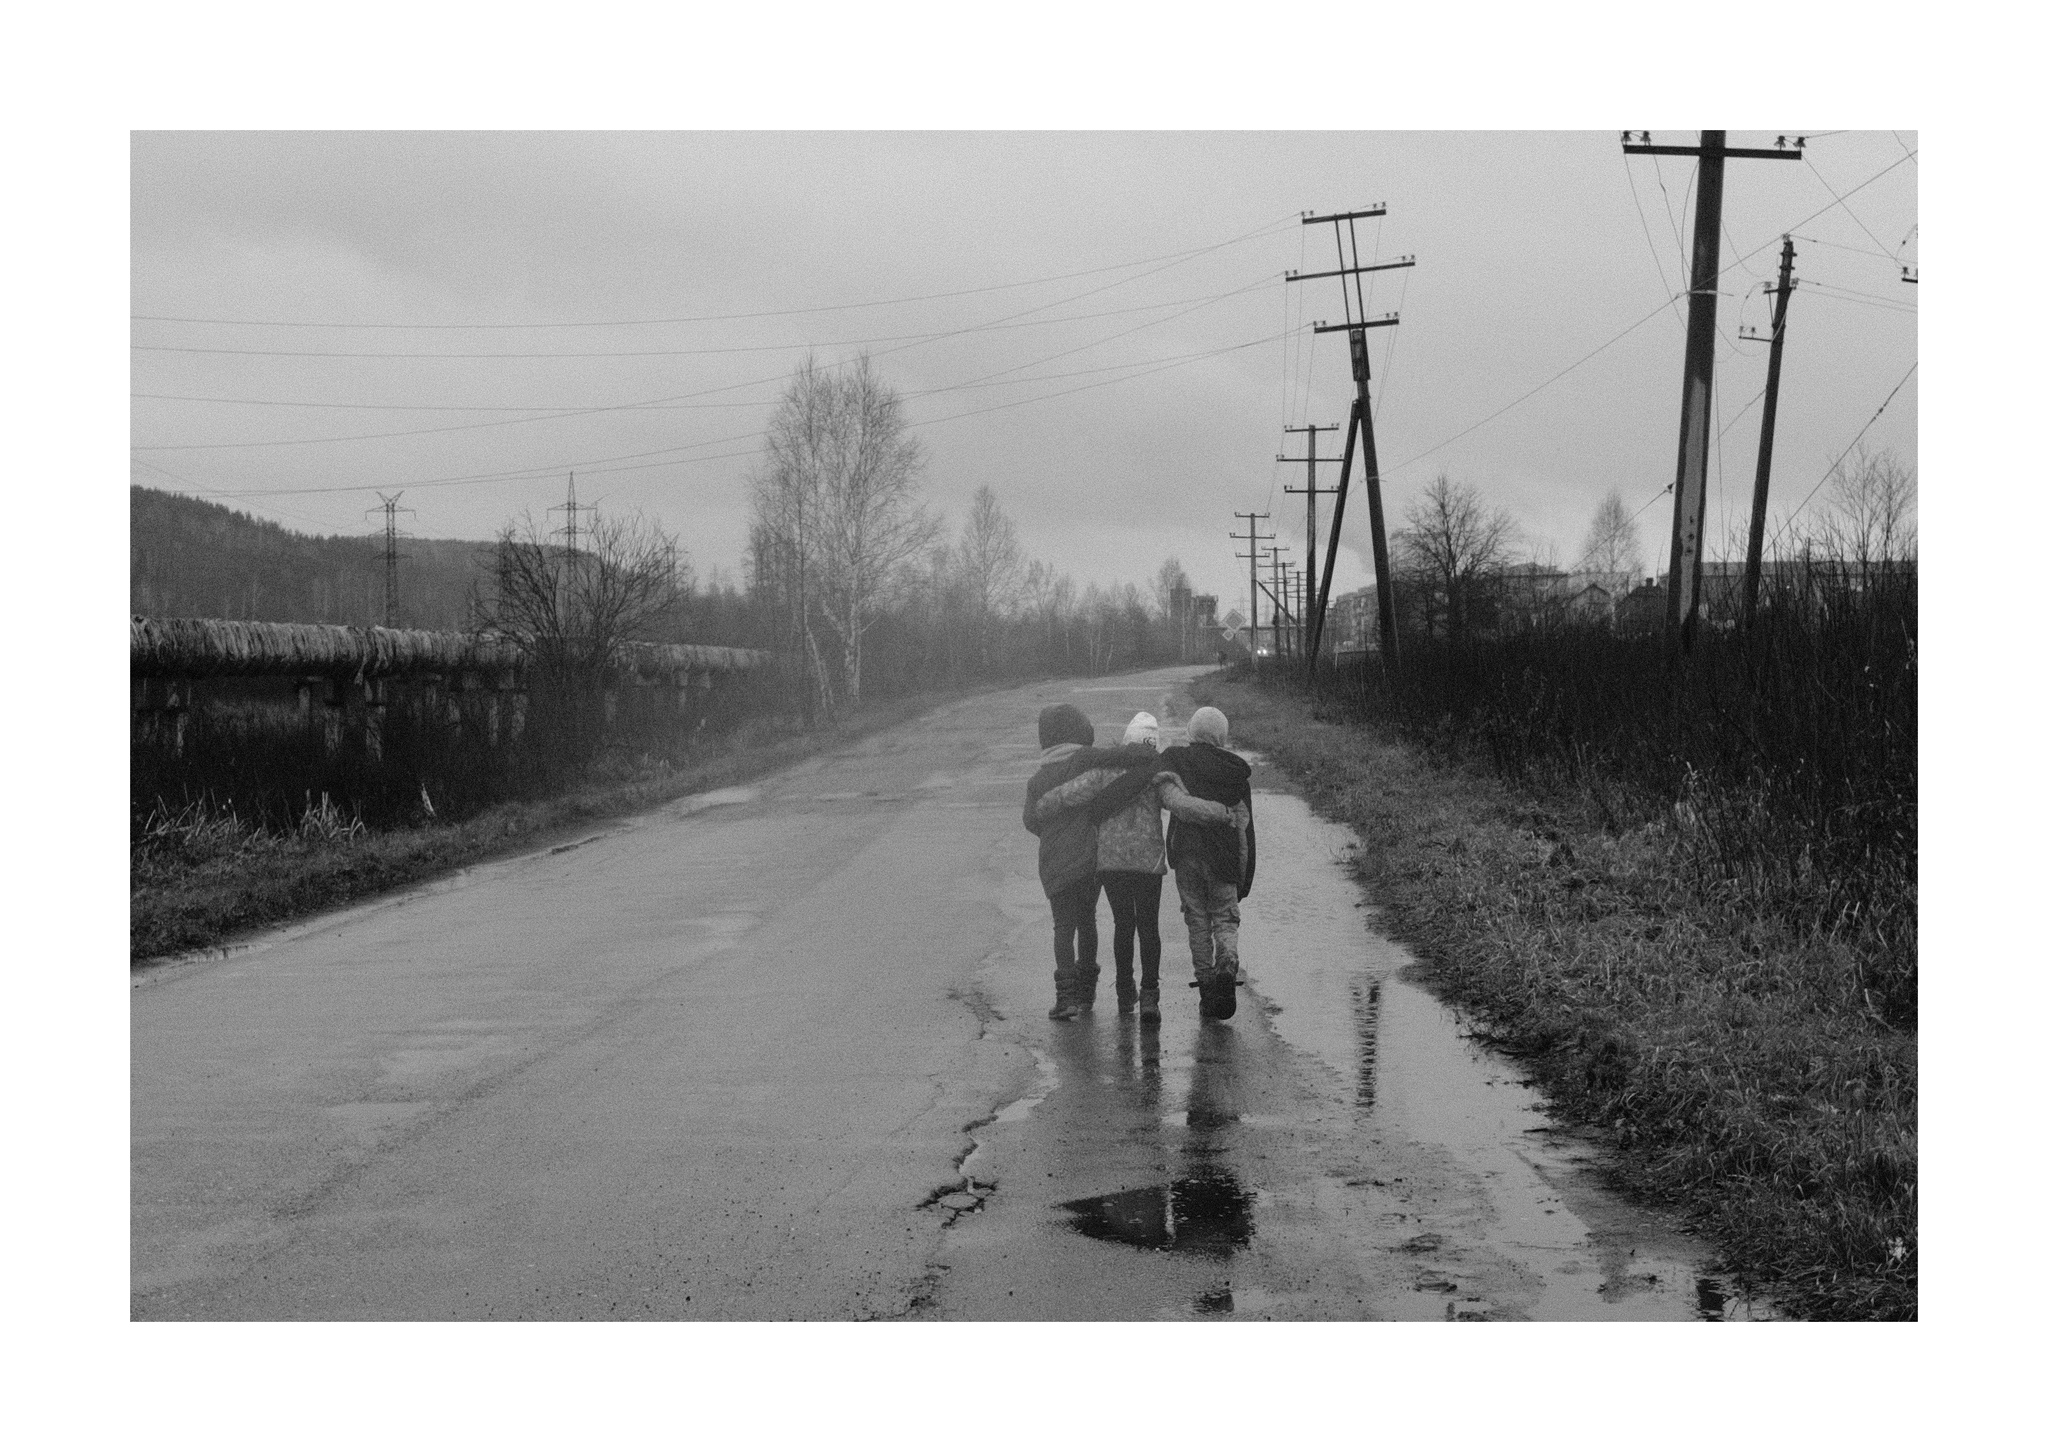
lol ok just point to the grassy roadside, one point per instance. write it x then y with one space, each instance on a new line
226 883
1731 1062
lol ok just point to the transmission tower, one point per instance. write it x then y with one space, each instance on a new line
391 510
571 531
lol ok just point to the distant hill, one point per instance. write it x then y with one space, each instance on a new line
189 557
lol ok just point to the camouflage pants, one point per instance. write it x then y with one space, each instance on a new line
1209 908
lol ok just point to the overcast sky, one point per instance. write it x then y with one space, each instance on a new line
1094 325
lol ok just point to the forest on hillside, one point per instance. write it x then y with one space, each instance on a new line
189 557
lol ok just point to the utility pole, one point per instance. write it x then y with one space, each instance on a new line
1276 591
1309 561
1252 523
1753 567
1360 429
1681 614
391 510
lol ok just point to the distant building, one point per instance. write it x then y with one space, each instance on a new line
1354 622
1538 595
1806 577
1193 618
1641 610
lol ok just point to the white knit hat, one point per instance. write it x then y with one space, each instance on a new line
1144 727
1210 725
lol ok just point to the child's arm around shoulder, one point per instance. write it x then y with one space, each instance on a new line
1069 795
1186 806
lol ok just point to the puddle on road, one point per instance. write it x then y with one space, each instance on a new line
1017 1109
1207 1213
722 797
1309 951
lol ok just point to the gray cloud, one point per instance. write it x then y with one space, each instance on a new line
1532 251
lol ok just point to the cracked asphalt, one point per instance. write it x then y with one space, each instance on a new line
780 1052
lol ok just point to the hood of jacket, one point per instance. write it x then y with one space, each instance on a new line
1210 771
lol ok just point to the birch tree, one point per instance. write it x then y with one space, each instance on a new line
1611 546
835 503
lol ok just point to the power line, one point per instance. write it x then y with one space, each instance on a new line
1649 241
589 412
1025 312
1838 201
1845 206
623 464
1653 499
708 352
1570 367
1840 294
1852 444
1737 415
1845 247
1266 229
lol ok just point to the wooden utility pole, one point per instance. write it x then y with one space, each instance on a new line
1360 429
1695 408
1309 562
1276 570
1252 523
1753 567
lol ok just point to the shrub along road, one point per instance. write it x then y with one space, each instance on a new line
1732 1060
781 1051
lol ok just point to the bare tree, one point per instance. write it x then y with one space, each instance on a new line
836 504
1873 516
991 568
625 582
1612 547
1453 548
571 611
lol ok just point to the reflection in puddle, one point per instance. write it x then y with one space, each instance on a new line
1206 1213
1405 1062
1365 1009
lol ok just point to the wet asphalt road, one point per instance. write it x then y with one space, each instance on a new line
781 1052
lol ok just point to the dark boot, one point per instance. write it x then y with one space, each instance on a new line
1148 1005
1085 990
1219 993
1127 991
1066 984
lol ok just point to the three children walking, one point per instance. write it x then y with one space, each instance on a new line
1096 813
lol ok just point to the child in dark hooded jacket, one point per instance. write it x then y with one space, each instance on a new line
1067 840
1212 865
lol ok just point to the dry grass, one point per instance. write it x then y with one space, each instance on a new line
1730 1058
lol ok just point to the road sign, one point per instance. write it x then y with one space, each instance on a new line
1234 621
